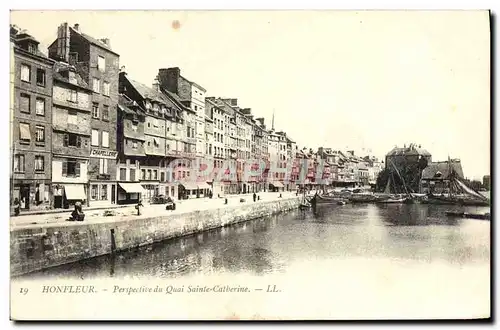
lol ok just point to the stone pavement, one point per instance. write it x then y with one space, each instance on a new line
149 210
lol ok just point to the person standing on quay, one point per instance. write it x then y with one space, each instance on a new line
254 197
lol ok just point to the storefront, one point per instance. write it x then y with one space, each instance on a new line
67 194
102 187
204 189
188 190
151 189
276 186
32 194
130 192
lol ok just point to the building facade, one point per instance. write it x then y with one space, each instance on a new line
98 65
31 123
71 138
131 150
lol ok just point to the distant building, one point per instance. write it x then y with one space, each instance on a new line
436 176
408 163
487 182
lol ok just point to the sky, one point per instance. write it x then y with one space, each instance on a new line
364 81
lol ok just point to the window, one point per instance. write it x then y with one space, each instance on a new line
132 174
148 177
96 85
72 140
73 96
105 112
155 175
71 167
25 73
134 144
40 134
24 104
39 163
105 88
143 174
72 78
93 192
32 48
40 107
134 127
101 63
104 192
95 137
40 77
155 122
95 110
162 176
103 166
19 164
72 118
123 174
105 139
24 132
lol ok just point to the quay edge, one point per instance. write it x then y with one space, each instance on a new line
37 248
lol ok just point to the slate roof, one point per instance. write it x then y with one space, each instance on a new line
430 171
126 105
408 151
60 68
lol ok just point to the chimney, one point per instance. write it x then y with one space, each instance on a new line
234 102
156 84
169 79
62 50
76 27
106 42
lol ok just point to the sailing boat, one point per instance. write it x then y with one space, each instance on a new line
459 193
395 198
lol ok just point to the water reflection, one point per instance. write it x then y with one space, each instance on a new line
400 232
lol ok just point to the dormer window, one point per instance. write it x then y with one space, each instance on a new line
32 48
148 105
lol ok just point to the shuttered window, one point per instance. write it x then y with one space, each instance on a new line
24 103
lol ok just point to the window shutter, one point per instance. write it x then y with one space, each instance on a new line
105 169
65 168
77 169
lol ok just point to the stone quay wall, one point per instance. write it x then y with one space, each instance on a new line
39 247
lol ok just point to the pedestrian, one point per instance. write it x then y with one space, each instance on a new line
17 206
138 207
254 197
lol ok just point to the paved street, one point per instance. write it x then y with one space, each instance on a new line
184 206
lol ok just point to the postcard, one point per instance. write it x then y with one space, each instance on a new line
250 165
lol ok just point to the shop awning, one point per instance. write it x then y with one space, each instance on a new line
132 188
277 184
189 185
203 185
74 192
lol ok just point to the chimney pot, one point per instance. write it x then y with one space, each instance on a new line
76 27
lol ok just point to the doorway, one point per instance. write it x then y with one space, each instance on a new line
25 196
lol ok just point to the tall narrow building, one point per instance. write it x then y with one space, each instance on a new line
31 123
98 65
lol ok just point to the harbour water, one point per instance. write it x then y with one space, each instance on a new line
362 260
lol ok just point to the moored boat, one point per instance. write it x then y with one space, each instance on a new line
482 216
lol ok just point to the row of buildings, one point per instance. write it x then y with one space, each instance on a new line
82 129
